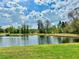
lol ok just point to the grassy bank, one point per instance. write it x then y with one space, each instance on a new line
57 35
62 51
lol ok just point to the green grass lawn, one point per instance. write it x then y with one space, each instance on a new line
62 51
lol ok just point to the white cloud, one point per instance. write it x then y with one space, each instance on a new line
1 8
16 0
44 15
61 8
38 1
6 15
13 9
14 12
44 1
23 18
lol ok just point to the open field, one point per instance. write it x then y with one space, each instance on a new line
57 51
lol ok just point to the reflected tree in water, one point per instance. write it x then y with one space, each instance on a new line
44 39
25 38
1 40
67 40
76 40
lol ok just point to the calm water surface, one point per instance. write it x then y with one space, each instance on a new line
7 41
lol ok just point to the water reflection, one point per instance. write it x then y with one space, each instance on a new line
48 40
25 39
7 41
67 40
41 39
0 41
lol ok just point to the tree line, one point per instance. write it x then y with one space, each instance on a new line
71 26
46 27
25 29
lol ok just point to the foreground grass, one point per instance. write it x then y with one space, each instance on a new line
62 51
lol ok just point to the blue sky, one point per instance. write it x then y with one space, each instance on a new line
16 12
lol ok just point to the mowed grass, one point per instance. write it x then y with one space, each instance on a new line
57 51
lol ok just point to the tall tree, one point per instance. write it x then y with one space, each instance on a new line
40 26
27 29
47 26
23 29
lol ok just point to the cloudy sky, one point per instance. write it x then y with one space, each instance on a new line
16 12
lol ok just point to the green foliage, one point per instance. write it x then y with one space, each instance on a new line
1 30
75 25
55 29
70 27
10 29
24 29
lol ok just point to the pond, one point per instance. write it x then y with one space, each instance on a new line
7 41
